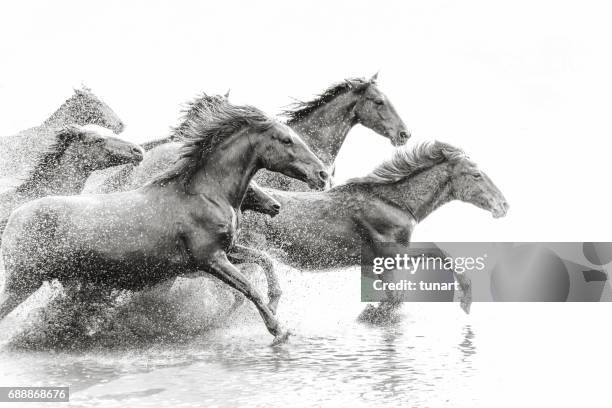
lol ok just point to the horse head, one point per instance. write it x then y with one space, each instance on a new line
95 150
282 150
472 185
374 110
258 200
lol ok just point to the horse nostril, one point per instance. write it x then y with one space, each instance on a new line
276 207
323 175
404 135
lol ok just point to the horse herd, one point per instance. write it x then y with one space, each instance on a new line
98 210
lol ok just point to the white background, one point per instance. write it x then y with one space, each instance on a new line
523 86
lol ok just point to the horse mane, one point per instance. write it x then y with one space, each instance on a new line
299 109
406 162
200 106
206 123
50 157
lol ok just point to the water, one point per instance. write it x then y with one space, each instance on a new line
435 355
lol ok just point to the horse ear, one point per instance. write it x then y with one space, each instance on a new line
349 83
374 77
227 93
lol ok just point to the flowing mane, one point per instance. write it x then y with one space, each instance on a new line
200 106
206 123
405 162
50 157
299 110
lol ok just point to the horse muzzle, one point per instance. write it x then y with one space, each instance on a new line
500 210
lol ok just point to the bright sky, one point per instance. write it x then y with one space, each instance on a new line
524 87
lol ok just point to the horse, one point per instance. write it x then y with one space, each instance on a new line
318 230
182 223
82 108
66 164
325 121
165 154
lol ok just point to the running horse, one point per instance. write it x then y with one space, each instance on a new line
325 121
323 230
318 230
82 108
66 164
164 155
182 223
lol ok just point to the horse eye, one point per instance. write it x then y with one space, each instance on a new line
379 101
286 141
477 175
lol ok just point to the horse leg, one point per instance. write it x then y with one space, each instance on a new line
242 254
10 299
466 291
219 266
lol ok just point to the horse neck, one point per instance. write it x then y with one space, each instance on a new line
65 114
67 178
75 110
422 193
228 170
325 128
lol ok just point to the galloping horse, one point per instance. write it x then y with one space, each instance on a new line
82 108
163 156
319 230
66 165
325 122
182 223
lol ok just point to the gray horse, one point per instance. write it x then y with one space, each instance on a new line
318 230
182 223
66 165
18 152
325 121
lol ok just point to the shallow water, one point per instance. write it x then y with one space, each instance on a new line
434 356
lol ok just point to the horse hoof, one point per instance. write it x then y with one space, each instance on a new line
379 316
281 338
466 304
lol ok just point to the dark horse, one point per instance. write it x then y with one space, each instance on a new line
183 223
66 165
82 108
164 155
